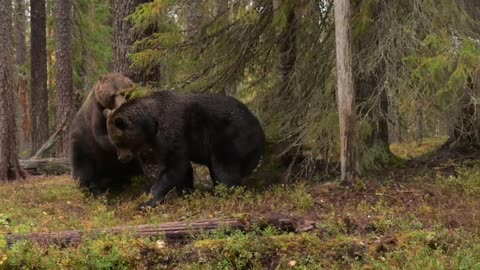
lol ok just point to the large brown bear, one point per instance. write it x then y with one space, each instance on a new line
172 129
94 160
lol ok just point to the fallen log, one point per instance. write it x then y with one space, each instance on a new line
172 232
51 141
46 166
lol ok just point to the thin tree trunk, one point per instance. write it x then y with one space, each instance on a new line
21 29
381 133
39 91
222 7
21 58
395 128
86 69
63 37
25 108
9 165
346 93
51 65
230 84
194 18
286 45
418 124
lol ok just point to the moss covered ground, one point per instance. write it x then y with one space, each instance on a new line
403 218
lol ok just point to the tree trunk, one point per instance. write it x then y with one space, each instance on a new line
346 93
25 109
222 7
86 69
381 132
59 133
21 57
368 89
418 124
230 83
466 132
123 38
286 45
373 109
63 38
9 165
395 127
21 29
194 18
39 91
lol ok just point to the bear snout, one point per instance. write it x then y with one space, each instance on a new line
125 157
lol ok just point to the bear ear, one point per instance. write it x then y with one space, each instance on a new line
107 113
120 123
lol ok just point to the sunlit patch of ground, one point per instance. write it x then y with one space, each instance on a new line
410 150
420 222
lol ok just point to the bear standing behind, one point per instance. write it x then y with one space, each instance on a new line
94 160
209 129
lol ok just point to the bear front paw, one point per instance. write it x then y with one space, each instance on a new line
148 205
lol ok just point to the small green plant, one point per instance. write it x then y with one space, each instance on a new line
4 220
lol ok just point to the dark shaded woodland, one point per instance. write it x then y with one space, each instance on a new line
414 69
370 110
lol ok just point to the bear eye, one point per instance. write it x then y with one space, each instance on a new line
120 123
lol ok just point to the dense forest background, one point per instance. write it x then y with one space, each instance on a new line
416 67
381 95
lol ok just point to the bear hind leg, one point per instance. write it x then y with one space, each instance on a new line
179 176
84 172
188 180
228 175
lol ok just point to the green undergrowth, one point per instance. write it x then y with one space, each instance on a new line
419 222
409 150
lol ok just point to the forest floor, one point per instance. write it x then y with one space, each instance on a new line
423 215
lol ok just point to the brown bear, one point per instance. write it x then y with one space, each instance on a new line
94 160
172 129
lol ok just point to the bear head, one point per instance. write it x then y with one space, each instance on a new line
108 90
130 131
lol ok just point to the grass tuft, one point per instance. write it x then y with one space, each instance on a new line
422 220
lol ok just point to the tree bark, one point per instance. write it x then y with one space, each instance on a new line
21 58
194 18
373 105
286 45
63 52
60 132
346 93
25 108
39 91
171 231
230 84
466 131
418 124
123 38
9 165
395 127
222 7
21 29
367 89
